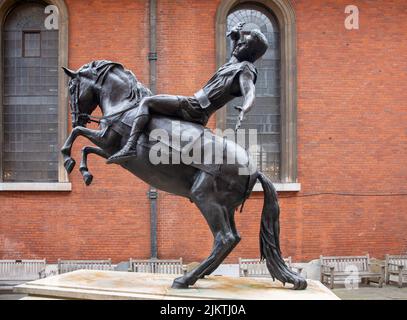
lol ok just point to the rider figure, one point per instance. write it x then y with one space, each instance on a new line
234 79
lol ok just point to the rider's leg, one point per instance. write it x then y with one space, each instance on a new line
160 104
163 104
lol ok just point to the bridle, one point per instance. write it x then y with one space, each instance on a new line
77 115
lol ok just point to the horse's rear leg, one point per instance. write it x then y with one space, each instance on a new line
223 244
236 242
217 217
87 176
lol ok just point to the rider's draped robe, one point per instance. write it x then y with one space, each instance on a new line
214 95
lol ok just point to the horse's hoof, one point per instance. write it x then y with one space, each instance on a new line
299 282
300 287
179 283
69 165
303 284
88 178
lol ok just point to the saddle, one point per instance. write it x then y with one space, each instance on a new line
206 151
175 133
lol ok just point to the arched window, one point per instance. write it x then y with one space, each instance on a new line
32 97
274 115
265 117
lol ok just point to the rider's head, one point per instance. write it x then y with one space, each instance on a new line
251 47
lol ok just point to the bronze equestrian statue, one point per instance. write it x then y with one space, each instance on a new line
130 116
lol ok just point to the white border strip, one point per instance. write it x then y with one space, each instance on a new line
57 187
64 187
280 187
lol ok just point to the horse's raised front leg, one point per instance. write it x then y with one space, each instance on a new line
87 176
96 136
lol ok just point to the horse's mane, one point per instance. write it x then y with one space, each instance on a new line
101 68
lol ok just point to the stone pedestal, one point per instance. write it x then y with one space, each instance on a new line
110 285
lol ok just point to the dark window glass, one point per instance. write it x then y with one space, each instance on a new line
265 117
30 97
32 44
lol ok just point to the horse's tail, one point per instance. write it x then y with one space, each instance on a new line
270 237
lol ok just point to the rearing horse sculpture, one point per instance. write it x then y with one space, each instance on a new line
217 191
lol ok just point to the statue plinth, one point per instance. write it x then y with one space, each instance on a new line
111 285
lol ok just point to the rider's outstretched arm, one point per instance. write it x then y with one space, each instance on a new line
248 90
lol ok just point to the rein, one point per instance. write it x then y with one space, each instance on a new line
98 120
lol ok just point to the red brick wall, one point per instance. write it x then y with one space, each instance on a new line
352 127
351 137
109 219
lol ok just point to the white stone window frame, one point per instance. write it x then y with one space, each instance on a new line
285 15
63 184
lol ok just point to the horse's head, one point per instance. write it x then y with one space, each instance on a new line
87 86
83 94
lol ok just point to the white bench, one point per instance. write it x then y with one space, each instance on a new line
338 269
257 268
15 272
396 266
65 266
157 266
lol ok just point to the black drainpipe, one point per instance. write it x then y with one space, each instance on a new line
152 57
153 195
